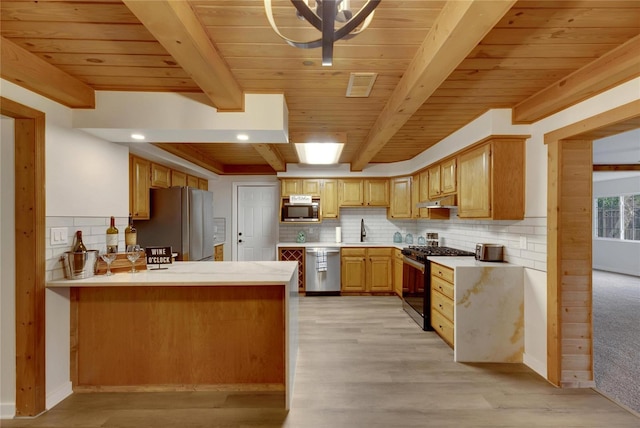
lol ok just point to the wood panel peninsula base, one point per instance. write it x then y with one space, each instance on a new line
195 326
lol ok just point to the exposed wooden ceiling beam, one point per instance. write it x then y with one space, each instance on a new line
271 154
459 28
188 153
35 74
174 24
629 167
616 67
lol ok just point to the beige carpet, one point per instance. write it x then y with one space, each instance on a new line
616 337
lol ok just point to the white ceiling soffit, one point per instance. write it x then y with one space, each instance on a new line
174 118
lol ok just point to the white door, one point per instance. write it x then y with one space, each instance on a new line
257 223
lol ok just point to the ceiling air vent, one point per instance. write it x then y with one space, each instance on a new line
360 84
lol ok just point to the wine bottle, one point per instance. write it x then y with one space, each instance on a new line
130 233
79 247
112 237
79 254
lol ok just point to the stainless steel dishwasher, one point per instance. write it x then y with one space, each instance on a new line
322 271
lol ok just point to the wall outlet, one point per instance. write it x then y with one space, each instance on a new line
59 236
523 242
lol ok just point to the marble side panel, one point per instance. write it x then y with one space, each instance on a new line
291 339
489 313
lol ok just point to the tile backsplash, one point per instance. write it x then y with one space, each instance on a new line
531 233
93 236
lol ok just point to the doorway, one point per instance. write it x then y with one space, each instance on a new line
256 226
29 154
569 249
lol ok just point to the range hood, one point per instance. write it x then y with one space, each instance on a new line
446 202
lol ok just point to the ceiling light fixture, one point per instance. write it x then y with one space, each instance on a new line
138 137
319 153
242 137
323 18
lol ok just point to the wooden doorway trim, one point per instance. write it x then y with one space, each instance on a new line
569 241
30 214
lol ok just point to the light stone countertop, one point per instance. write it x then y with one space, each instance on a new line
397 245
193 273
467 261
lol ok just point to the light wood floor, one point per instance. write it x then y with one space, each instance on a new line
362 363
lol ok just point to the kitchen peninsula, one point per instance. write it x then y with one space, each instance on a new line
194 325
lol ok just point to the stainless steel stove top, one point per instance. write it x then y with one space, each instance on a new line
420 252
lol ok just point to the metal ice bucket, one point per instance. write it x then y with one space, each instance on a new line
79 265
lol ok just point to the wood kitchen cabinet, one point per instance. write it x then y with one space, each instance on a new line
357 192
218 253
397 271
400 204
139 183
420 193
299 186
350 193
376 192
178 178
353 268
192 181
442 179
492 180
203 184
367 270
442 307
329 199
160 176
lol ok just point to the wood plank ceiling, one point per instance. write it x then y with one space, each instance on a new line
532 46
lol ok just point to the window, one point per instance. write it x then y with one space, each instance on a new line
618 217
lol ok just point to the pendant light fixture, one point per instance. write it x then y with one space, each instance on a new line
323 18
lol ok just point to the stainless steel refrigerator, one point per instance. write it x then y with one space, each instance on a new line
181 217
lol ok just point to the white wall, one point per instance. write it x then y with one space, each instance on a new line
7 270
616 255
85 176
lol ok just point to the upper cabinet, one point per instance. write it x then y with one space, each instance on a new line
203 184
178 178
350 192
400 205
139 183
144 175
442 179
192 181
160 176
355 192
299 186
491 180
329 199
376 192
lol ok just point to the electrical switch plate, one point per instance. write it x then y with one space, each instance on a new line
523 242
59 236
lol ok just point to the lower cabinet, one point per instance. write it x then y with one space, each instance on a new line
294 254
218 253
397 272
366 270
442 306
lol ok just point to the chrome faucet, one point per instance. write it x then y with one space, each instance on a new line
363 232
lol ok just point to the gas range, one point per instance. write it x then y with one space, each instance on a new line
421 252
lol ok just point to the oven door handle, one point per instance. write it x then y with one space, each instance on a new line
416 264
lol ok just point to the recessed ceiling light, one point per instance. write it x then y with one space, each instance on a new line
137 136
242 137
319 153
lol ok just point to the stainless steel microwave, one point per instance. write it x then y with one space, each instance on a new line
301 212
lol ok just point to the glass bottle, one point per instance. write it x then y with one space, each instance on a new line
130 233
112 237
